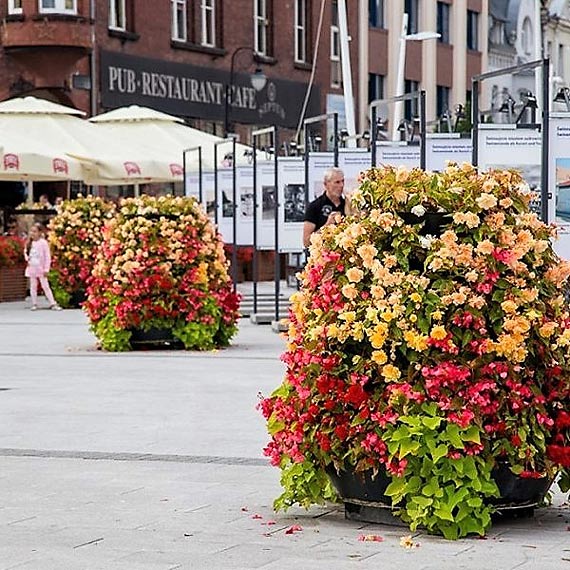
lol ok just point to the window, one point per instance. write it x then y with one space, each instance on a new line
14 6
561 60
117 15
208 11
57 6
301 31
375 87
443 22
527 41
472 30
336 70
442 100
260 26
411 107
376 13
179 20
411 7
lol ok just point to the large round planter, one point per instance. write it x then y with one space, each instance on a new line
364 499
154 339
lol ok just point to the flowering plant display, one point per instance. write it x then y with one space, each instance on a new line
162 265
435 356
11 251
75 233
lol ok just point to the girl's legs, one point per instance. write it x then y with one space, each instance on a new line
47 291
34 290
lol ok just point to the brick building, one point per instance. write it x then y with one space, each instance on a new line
176 55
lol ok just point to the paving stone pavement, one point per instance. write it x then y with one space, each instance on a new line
153 461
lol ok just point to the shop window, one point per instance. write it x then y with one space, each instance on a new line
412 8
472 30
262 27
376 13
117 15
179 20
443 22
14 6
57 6
301 31
336 69
208 13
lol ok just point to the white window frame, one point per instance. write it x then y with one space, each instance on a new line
208 18
260 25
301 31
335 57
114 17
175 5
13 9
58 9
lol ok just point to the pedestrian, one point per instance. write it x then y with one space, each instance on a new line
327 208
39 260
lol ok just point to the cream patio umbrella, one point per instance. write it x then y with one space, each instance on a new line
46 141
168 134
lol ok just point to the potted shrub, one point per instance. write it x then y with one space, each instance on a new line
75 234
161 275
12 266
429 369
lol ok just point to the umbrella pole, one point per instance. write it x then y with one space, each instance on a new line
137 190
30 197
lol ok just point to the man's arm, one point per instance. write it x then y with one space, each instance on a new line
308 229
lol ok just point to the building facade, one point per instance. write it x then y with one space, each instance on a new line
183 56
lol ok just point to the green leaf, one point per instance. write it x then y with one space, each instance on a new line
440 451
422 501
408 446
452 435
431 423
396 487
472 434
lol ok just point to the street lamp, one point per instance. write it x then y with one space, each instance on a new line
400 88
258 81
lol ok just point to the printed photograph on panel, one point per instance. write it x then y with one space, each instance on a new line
294 203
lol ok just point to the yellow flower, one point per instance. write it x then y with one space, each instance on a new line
379 335
486 201
416 297
390 372
379 356
437 315
348 317
547 329
438 332
416 341
354 274
509 306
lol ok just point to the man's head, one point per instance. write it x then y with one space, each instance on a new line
334 183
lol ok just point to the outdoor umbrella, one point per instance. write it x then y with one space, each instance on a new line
164 133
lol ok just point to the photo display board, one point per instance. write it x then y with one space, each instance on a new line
244 183
192 184
397 154
209 201
559 181
353 162
225 204
506 146
266 200
291 173
442 148
318 164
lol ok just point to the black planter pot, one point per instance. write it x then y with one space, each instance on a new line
364 495
154 339
518 492
433 222
76 299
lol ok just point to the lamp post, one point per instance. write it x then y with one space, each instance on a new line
400 88
258 81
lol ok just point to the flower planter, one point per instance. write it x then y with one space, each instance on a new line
12 283
363 494
154 338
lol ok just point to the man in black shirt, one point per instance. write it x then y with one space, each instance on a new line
325 208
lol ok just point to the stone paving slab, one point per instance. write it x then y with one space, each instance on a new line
153 461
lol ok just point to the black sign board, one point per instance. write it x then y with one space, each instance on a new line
192 91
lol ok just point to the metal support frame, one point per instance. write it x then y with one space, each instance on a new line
544 126
200 173
234 199
312 121
373 106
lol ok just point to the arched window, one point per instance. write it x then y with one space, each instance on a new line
527 39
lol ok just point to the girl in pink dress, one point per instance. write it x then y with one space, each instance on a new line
39 260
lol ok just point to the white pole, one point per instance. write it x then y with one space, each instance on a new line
346 73
398 106
538 53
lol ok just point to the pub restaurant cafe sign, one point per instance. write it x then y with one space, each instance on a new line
192 91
